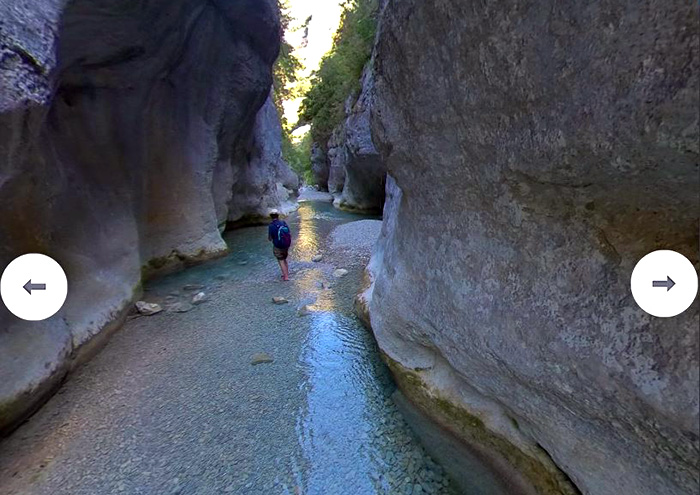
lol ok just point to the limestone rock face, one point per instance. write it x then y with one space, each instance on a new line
261 178
365 171
337 159
118 126
536 152
319 166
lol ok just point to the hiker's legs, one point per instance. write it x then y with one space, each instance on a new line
285 269
281 262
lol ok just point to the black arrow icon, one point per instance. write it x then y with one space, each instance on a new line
29 287
668 283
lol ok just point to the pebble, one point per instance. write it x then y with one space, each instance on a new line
261 358
317 258
199 298
279 300
359 236
340 272
148 309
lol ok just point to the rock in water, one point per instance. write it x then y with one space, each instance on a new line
340 272
199 298
148 309
317 258
304 310
279 300
536 154
261 358
130 134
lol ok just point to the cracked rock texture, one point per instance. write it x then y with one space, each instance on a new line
536 152
120 125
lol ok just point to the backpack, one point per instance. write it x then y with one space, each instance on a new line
283 237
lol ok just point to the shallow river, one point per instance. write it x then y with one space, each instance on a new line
173 403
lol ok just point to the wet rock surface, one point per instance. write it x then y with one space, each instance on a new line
118 122
177 407
516 214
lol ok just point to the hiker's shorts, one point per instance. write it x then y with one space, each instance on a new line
280 254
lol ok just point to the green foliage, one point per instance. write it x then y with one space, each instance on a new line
286 67
285 75
339 73
298 156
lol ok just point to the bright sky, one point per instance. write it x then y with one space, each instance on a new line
324 23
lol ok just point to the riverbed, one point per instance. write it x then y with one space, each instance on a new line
236 394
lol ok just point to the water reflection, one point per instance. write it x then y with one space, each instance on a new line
307 242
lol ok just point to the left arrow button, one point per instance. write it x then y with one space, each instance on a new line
29 287
23 296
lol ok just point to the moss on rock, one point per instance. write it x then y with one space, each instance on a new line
540 471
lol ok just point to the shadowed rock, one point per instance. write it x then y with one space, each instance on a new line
118 122
262 180
319 166
365 171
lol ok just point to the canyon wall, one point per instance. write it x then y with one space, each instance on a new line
536 151
121 130
319 166
261 179
365 171
352 169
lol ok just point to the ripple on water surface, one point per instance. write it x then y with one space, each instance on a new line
351 431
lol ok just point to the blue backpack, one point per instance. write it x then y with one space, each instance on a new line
283 237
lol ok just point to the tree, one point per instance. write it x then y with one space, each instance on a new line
338 75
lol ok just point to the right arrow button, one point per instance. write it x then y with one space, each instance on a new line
647 278
668 283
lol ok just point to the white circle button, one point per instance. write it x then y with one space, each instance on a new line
664 283
33 287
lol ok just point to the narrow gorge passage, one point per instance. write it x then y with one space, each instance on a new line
174 405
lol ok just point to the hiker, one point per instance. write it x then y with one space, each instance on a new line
278 232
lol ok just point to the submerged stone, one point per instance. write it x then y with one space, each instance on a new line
261 358
148 309
199 298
